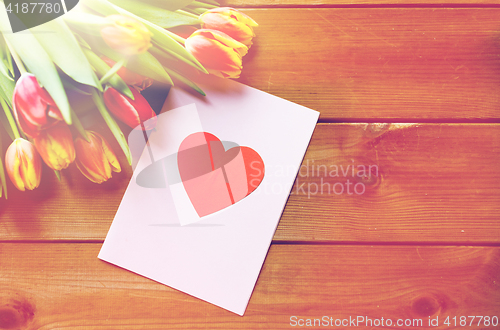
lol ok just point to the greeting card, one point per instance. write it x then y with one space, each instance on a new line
208 191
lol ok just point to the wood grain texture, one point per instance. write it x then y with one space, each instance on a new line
390 64
64 286
428 183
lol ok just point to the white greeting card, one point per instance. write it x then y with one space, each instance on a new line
208 191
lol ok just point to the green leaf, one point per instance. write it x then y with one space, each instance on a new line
63 48
144 64
114 69
206 4
113 126
185 80
58 175
85 22
210 2
160 36
102 68
147 65
168 61
78 126
168 5
7 86
5 120
6 67
38 62
160 15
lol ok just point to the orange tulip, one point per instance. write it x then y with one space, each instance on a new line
131 78
230 21
34 108
55 145
132 112
23 164
126 35
220 54
95 159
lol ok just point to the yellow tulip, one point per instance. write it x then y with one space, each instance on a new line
126 35
95 159
230 21
220 54
55 145
23 165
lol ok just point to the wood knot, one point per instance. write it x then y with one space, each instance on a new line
426 306
16 314
368 175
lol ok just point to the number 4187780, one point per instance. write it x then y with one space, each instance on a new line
34 8
463 321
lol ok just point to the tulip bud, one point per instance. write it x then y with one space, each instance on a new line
95 159
131 78
55 145
23 164
131 112
34 108
230 21
126 35
220 54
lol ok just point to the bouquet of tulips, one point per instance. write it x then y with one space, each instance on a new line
106 51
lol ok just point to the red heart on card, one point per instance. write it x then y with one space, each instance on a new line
215 178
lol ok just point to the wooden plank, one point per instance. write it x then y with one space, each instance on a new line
354 3
377 65
428 183
64 286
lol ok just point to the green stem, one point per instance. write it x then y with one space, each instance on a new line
113 126
180 11
16 58
198 11
202 4
118 65
191 11
10 119
176 37
78 125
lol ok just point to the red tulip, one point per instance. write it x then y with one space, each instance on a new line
131 112
23 165
95 159
34 108
220 54
131 78
230 21
55 145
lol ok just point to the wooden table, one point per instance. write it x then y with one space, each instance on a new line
412 88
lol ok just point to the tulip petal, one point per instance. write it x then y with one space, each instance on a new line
34 109
110 157
23 165
55 145
95 159
38 61
214 49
